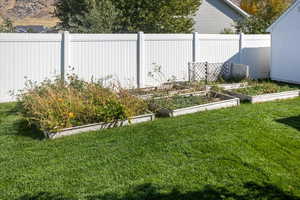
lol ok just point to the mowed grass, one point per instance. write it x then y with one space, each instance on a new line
249 152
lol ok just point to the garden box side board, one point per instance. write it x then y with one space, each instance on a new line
266 97
100 126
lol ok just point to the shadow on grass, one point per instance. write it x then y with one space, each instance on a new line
23 129
45 196
8 110
150 192
15 125
293 122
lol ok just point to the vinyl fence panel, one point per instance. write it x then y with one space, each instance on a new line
127 58
172 53
103 55
27 56
256 53
218 48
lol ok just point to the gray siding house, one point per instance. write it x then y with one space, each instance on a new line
214 16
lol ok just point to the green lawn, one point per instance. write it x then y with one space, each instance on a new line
250 152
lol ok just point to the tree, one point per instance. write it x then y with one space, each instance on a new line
255 6
264 13
151 16
250 6
86 16
253 25
157 16
7 27
31 30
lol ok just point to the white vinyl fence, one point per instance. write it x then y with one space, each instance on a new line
126 57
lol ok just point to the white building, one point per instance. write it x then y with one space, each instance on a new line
285 52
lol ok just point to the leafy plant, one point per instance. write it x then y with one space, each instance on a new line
55 105
157 16
86 16
253 25
151 16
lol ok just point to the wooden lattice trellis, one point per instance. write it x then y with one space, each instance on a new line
209 72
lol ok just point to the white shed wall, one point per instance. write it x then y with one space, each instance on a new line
285 56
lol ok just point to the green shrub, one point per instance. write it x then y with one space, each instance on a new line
55 105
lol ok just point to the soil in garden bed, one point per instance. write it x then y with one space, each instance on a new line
169 89
266 87
179 101
174 88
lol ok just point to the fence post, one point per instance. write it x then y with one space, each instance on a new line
190 71
206 73
241 47
195 46
65 53
140 60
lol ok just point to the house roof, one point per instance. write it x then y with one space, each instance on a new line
236 4
292 7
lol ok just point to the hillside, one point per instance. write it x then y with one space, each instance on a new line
28 12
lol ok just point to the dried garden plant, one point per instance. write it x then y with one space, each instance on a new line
55 104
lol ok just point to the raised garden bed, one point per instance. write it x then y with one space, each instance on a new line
168 89
100 126
172 89
191 103
62 108
265 91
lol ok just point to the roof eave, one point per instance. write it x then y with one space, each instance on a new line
237 8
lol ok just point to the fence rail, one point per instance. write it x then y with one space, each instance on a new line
127 57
